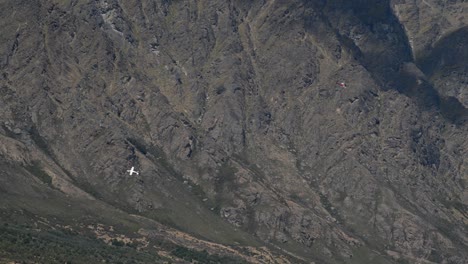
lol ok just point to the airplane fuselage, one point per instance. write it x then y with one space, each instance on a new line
132 171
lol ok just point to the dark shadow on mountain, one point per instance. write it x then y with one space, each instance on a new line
386 51
450 53
428 98
453 110
386 45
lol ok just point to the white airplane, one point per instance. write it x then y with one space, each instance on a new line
131 171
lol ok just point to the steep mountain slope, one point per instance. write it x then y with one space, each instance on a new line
231 112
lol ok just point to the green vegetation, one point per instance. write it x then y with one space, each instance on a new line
117 243
87 187
36 170
295 197
224 184
366 255
196 189
27 245
329 207
40 142
226 176
203 256
244 159
155 151
158 156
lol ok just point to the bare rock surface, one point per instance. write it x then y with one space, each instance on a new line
232 113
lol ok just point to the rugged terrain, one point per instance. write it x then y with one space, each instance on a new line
248 150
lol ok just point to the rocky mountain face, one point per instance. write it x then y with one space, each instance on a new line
247 148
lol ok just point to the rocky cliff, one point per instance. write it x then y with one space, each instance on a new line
247 148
